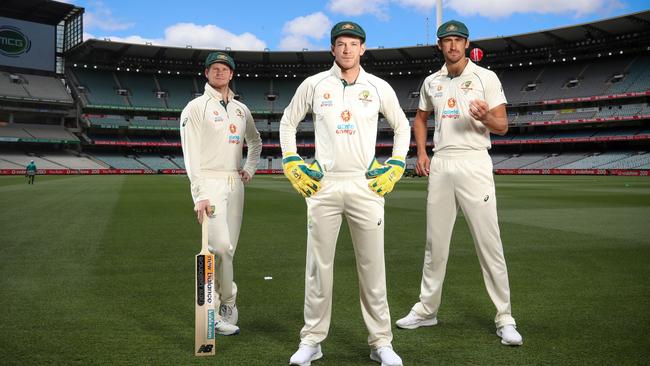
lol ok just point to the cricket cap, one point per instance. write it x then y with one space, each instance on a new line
220 57
453 28
347 29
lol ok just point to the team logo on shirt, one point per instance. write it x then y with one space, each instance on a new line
239 113
439 88
451 102
466 86
346 115
326 95
233 138
364 96
216 113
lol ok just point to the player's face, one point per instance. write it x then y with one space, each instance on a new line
347 52
218 75
453 48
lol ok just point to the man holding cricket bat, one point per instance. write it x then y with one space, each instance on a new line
213 129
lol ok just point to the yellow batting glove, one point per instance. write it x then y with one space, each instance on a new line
385 176
304 179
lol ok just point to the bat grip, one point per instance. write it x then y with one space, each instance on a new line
204 233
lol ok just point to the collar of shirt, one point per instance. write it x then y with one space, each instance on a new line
214 93
362 78
469 68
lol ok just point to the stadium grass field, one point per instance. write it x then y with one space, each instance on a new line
98 270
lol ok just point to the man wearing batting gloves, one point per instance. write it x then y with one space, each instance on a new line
345 180
213 129
468 104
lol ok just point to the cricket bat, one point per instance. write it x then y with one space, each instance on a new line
205 297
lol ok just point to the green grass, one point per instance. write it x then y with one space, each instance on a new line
98 270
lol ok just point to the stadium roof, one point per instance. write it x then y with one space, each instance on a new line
108 52
39 11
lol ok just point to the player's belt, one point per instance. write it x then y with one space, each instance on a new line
461 154
344 175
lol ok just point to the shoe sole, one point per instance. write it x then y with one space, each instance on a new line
228 334
376 358
503 341
422 323
315 357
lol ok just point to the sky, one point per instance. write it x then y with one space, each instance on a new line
294 25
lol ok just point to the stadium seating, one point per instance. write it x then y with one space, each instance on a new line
18 160
156 162
108 121
179 90
555 160
99 88
72 161
637 77
142 90
284 89
516 162
120 161
253 92
633 161
595 161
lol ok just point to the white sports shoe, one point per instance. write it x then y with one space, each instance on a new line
305 355
386 356
224 328
229 313
413 320
510 336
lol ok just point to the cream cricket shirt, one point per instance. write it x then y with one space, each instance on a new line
449 98
345 119
211 137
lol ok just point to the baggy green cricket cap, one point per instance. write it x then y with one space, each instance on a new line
347 29
453 28
221 57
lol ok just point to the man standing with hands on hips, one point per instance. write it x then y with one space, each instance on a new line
345 180
469 104
213 129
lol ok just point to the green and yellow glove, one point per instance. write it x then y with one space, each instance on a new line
304 179
385 176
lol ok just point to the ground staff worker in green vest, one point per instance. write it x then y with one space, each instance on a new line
468 104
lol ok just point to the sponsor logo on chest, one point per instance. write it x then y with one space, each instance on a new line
217 117
233 137
438 93
451 111
326 101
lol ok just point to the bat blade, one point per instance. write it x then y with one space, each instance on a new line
204 300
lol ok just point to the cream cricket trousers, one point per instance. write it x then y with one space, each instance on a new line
345 195
226 194
463 179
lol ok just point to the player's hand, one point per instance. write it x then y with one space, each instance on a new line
385 176
245 177
203 208
304 179
479 109
422 165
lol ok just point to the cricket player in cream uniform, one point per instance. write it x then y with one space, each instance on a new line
469 103
345 180
213 128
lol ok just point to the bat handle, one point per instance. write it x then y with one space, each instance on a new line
204 233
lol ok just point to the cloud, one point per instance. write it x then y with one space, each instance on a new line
505 8
99 16
424 6
198 36
378 8
299 32
210 36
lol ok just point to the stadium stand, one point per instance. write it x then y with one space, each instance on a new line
99 88
156 162
142 90
595 161
120 161
178 90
